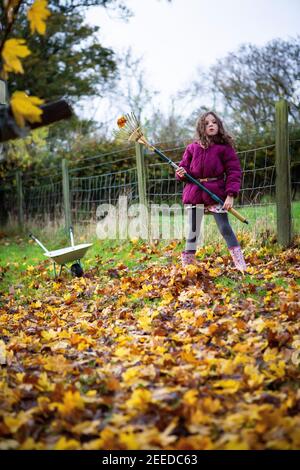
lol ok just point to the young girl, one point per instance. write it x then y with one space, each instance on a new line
209 159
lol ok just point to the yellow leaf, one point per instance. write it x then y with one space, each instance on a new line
241 359
12 51
188 356
210 405
72 401
69 298
190 397
20 376
160 350
198 418
25 107
49 335
14 423
187 315
66 444
145 323
43 383
57 363
108 439
122 352
129 440
122 339
236 444
131 374
86 427
270 354
259 325
139 399
278 369
36 305
228 386
37 16
30 444
255 377
214 272
167 298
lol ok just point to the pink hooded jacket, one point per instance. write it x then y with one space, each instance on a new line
215 161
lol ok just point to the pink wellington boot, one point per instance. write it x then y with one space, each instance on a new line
187 258
238 258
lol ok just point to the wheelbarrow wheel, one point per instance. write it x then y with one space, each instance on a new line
76 270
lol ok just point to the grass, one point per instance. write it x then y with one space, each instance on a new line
261 218
18 254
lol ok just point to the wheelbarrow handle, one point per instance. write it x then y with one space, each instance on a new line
38 242
71 235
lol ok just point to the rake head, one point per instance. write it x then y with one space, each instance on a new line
130 129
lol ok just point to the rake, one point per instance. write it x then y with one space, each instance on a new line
130 130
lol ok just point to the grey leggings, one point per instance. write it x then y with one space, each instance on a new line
195 215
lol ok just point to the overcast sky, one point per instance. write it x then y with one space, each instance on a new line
176 38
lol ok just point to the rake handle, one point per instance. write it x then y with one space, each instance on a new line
193 180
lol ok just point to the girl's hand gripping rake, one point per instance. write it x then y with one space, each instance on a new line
130 130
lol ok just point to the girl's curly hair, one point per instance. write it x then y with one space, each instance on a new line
222 136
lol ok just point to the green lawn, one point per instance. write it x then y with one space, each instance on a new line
261 218
19 255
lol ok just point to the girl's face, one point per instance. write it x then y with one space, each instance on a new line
211 126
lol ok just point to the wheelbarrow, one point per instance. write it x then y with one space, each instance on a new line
66 255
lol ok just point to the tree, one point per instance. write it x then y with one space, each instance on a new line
67 60
169 128
251 80
130 88
64 59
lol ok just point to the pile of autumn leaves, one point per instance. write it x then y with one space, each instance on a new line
156 357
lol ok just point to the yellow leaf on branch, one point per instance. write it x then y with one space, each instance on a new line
25 107
13 50
37 16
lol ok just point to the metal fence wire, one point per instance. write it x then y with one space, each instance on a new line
93 184
88 192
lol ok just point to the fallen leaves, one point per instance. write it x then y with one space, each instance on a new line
159 357
2 353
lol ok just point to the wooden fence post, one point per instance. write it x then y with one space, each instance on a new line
283 175
66 193
141 173
20 200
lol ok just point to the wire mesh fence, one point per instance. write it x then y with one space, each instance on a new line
87 193
92 184
43 202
